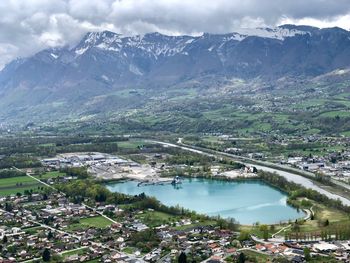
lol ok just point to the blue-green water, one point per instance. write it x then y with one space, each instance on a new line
248 202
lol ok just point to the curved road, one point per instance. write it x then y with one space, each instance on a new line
288 175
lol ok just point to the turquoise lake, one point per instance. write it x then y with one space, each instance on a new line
248 202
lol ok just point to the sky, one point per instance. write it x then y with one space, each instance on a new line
28 26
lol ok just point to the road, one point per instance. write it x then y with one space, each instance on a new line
53 188
290 176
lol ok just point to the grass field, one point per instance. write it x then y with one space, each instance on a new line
33 230
154 218
129 250
49 175
332 114
84 223
336 218
202 223
130 144
9 186
257 257
97 221
80 251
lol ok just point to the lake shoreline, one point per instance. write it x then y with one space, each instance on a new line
223 195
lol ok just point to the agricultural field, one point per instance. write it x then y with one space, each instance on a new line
14 185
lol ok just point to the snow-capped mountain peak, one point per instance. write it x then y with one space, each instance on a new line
279 33
105 40
157 44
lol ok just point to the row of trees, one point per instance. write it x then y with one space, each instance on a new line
189 159
80 172
328 234
9 173
19 161
42 145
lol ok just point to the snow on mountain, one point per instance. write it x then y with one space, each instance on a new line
153 43
162 45
279 33
104 62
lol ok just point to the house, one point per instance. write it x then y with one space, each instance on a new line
72 258
215 248
139 227
215 259
324 247
260 247
297 259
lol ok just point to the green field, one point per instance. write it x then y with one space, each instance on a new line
33 230
49 175
199 224
336 218
84 223
9 186
154 218
80 251
97 221
258 257
130 144
333 114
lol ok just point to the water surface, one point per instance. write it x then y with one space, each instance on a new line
248 202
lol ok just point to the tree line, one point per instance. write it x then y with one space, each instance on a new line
9 173
296 191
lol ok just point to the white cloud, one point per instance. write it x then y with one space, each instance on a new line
338 21
27 26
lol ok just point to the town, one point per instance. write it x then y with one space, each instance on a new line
49 225
64 208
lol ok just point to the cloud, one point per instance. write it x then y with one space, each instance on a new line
27 26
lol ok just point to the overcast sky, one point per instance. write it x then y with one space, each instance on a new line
27 26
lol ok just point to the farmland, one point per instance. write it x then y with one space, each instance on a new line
16 185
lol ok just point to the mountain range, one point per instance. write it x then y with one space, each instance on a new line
89 78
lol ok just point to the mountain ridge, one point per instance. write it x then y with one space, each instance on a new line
104 63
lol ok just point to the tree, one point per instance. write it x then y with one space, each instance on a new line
182 258
243 235
241 258
46 255
4 239
49 235
326 223
264 229
8 207
307 254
